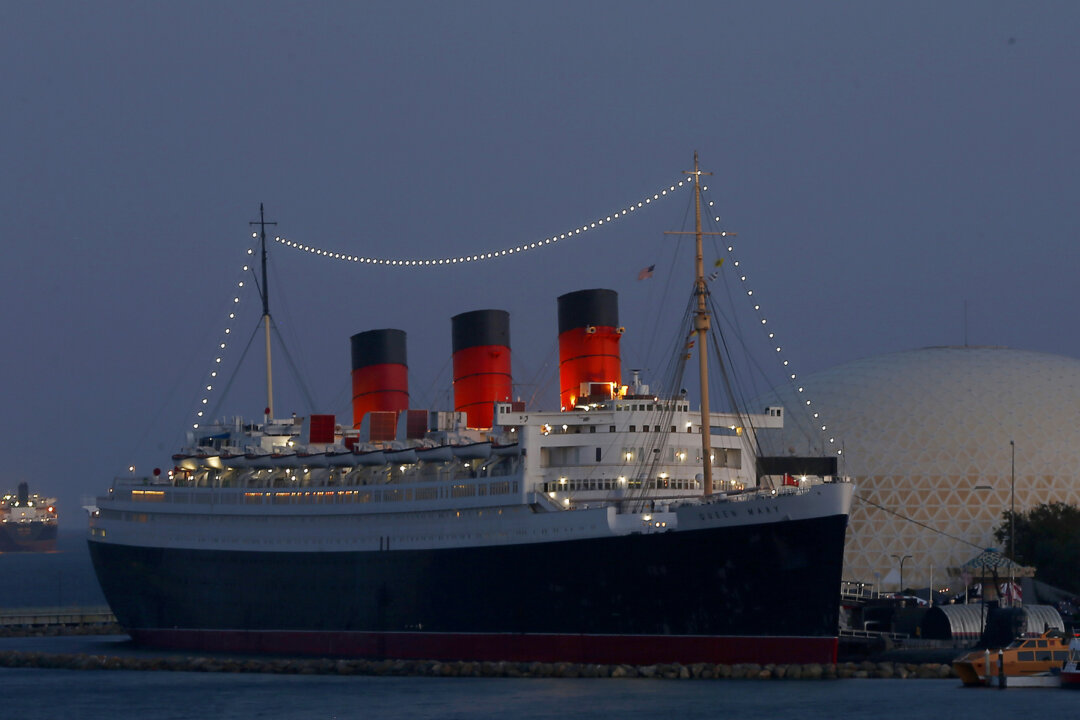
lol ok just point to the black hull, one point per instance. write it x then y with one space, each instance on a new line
28 537
709 595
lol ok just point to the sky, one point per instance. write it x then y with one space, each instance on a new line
899 175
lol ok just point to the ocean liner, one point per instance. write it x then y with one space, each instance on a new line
27 521
622 527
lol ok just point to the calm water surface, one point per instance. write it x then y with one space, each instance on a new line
74 695
57 579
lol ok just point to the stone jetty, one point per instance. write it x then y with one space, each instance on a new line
432 668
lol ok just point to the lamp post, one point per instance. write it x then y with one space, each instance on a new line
1012 502
901 561
1012 521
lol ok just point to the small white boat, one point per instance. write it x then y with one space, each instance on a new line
198 458
368 457
312 458
435 453
511 449
472 451
283 459
233 458
403 456
338 456
258 459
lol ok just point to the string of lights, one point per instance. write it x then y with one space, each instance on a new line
504 252
223 342
487 254
792 378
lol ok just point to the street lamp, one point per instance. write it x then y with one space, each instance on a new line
1012 503
901 560
1012 522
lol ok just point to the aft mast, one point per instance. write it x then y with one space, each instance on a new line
265 292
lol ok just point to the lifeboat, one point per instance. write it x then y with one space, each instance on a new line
340 457
369 457
198 458
472 451
435 453
284 458
312 458
403 456
504 450
258 459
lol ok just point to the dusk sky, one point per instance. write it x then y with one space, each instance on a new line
885 165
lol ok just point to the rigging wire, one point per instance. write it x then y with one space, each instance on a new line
427 396
669 281
805 404
232 377
282 299
735 400
222 343
292 366
543 377
649 456
867 501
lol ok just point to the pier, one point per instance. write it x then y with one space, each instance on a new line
57 620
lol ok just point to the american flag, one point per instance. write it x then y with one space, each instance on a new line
646 273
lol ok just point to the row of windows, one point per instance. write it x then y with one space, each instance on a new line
620 484
579 429
1029 655
404 517
648 407
332 497
721 457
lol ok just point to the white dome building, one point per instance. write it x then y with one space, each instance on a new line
927 436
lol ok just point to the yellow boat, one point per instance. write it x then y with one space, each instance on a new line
1025 657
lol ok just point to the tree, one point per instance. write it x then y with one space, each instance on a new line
1048 538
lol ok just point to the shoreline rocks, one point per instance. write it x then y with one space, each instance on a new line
434 668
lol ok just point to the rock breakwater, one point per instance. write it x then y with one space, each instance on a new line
432 668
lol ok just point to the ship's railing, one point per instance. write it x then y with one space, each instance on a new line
474 492
313 476
855 591
871 634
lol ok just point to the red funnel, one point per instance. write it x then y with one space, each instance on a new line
380 372
481 341
589 335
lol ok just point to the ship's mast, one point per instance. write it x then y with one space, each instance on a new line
265 292
701 328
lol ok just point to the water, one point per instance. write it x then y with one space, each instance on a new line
62 578
78 695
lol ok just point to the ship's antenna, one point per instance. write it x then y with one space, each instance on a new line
701 327
265 292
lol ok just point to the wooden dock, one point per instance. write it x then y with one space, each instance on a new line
55 617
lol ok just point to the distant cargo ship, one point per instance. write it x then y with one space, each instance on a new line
27 522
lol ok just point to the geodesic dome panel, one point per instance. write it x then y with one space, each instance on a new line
926 436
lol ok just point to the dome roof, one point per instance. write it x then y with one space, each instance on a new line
929 436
